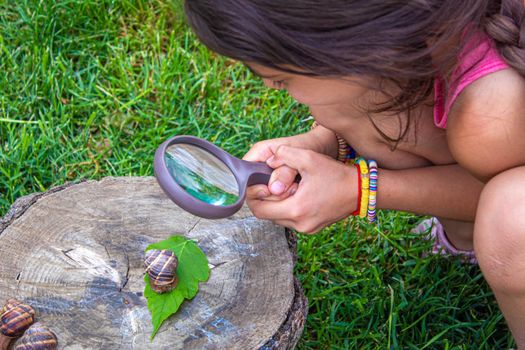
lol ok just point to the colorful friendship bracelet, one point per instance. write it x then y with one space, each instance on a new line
367 178
366 182
365 187
372 200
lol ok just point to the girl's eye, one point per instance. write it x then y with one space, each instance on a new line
278 84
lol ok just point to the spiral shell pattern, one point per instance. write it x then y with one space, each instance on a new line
160 267
37 337
9 304
16 318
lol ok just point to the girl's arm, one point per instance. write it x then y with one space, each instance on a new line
328 192
486 128
486 135
447 191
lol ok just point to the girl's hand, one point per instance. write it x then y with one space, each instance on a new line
327 192
281 184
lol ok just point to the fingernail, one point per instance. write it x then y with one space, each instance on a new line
261 195
269 160
292 191
277 187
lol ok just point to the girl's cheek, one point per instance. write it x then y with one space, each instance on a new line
301 97
314 98
317 93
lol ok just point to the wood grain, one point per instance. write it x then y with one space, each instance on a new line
75 253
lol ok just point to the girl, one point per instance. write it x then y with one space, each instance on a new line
432 90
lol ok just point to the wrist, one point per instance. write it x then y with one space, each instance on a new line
367 180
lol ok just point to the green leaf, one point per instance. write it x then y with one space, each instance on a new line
192 269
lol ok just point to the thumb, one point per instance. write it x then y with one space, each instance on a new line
281 180
296 158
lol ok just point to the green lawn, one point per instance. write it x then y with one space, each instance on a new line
90 88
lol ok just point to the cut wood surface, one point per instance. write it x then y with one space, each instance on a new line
76 253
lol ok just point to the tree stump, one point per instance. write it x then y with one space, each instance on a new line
76 253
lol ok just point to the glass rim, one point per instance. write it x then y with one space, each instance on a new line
185 200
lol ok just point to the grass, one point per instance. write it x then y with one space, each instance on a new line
90 88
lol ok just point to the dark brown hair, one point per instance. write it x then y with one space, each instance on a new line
405 42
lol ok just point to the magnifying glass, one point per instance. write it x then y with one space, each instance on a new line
203 179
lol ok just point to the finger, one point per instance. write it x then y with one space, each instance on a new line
274 162
296 158
281 180
275 210
293 189
258 153
289 192
302 227
299 227
257 192
264 194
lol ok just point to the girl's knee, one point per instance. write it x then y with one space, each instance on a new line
499 232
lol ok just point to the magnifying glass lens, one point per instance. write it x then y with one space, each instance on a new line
201 174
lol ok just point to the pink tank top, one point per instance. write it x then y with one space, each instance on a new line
478 59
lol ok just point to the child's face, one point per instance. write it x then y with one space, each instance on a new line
314 91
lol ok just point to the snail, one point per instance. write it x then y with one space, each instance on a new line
9 304
15 319
37 337
160 267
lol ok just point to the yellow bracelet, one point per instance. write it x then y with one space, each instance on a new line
365 187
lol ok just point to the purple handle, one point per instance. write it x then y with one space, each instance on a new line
259 173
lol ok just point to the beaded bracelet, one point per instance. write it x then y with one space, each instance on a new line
351 155
345 153
365 187
372 200
359 191
342 151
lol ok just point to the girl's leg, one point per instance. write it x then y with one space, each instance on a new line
499 243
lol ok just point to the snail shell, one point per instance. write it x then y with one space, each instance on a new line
9 304
16 318
37 337
160 267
